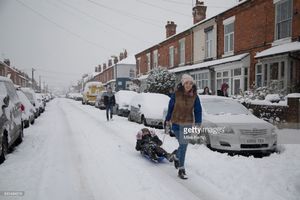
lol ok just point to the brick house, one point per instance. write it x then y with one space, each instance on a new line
19 78
238 46
118 73
257 27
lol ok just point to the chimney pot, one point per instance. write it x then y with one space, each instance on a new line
199 11
109 62
170 28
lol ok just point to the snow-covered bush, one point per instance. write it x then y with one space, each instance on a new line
160 80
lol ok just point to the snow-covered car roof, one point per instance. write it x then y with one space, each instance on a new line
2 78
124 96
152 104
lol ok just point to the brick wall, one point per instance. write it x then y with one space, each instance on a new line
254 28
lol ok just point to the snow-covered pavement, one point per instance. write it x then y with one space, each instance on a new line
72 152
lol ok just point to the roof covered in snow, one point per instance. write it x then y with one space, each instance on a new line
210 63
284 48
130 60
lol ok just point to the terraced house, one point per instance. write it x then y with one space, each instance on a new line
248 45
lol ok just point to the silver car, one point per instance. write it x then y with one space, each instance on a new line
229 126
11 129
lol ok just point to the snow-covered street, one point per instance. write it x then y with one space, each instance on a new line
72 152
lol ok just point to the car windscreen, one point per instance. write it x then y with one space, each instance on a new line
221 107
29 96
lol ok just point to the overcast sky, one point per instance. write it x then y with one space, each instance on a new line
64 39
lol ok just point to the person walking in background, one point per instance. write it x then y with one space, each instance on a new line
206 91
223 92
184 110
109 102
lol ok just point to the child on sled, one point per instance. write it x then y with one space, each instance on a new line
149 144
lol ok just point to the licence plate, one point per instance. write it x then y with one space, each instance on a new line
256 141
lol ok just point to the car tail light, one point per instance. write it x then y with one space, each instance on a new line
22 107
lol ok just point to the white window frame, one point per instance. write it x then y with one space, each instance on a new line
171 56
202 79
227 36
259 74
139 65
209 44
290 19
148 55
182 51
155 58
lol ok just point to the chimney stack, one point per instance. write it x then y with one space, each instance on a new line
125 54
96 69
121 57
199 11
170 28
115 59
99 68
7 61
109 62
104 66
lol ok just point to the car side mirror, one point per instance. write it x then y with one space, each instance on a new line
6 102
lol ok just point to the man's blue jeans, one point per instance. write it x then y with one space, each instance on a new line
109 108
181 151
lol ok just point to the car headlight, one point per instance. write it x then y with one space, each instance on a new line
228 130
273 131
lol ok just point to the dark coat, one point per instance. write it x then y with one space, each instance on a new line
147 139
109 100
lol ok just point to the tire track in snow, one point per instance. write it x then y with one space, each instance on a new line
142 172
207 191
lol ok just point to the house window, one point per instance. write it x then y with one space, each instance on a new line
138 65
201 80
228 38
282 68
148 62
222 77
259 75
155 59
274 71
283 18
208 43
182 51
131 73
171 56
246 79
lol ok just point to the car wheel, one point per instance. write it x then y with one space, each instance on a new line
20 138
129 118
26 124
32 122
143 120
4 149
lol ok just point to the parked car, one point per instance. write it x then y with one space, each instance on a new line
90 92
239 129
11 129
30 94
27 110
148 108
99 103
123 99
41 102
